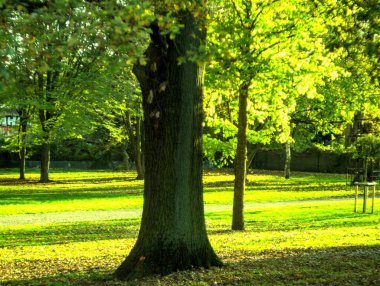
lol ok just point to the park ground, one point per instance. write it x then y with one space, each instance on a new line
77 229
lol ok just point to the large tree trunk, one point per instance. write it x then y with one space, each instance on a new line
241 158
288 156
172 234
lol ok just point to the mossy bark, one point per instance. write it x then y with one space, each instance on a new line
172 234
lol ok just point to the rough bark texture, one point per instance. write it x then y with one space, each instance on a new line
172 234
288 156
241 159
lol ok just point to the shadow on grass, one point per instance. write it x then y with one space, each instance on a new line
256 221
354 265
71 233
102 192
94 180
279 187
262 221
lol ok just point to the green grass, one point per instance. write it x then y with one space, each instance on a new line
295 234
78 190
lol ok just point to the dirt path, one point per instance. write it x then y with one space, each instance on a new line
78 216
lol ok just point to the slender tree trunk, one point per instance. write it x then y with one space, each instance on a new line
365 169
125 164
288 156
139 151
22 144
45 120
45 162
251 153
136 140
22 156
241 158
172 234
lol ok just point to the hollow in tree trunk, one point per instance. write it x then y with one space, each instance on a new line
241 159
288 156
172 234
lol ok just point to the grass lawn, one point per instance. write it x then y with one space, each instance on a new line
77 230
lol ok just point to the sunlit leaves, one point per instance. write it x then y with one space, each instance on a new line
307 63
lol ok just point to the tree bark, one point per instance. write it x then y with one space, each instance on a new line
172 234
136 140
22 144
46 116
288 156
22 157
241 159
45 163
251 153
125 157
45 147
365 169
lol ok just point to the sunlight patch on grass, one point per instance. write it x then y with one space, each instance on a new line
105 190
73 205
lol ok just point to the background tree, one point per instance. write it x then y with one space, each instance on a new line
367 148
261 47
63 50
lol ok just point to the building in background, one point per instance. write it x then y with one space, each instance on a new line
7 120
